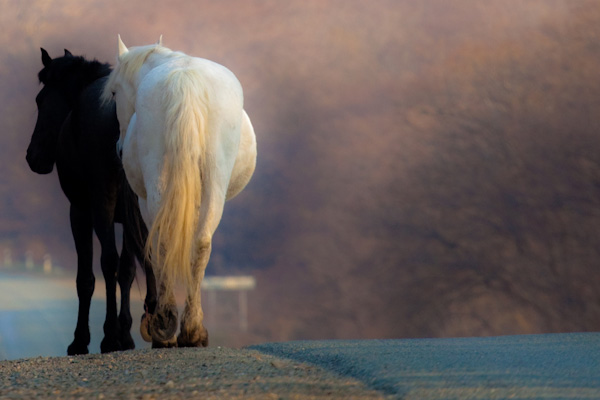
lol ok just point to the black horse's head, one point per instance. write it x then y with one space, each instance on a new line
53 108
63 78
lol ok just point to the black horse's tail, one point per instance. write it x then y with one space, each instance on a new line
135 235
133 224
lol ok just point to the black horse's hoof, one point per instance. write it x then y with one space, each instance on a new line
127 342
76 348
109 345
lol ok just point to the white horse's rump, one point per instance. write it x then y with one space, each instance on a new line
187 146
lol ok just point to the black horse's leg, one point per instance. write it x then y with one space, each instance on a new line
109 260
125 277
81 226
150 302
151 295
138 236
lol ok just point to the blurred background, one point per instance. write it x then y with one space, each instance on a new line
425 169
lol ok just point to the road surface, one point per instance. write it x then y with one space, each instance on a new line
553 366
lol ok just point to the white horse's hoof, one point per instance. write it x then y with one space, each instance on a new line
145 328
167 344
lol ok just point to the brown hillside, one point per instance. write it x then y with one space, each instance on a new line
425 168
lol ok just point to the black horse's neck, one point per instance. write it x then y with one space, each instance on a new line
73 74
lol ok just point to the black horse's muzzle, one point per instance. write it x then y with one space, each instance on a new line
38 163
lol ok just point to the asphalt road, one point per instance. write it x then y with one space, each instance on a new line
552 366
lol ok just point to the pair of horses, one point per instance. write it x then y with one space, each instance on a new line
187 146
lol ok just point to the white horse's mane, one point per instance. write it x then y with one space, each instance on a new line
129 65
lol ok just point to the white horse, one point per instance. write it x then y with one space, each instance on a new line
187 147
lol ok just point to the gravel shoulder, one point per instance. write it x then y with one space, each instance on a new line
208 373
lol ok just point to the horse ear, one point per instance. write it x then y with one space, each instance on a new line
159 41
46 59
68 53
122 48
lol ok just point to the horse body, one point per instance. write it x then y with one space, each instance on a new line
188 146
77 132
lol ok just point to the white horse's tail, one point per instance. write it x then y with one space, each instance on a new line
171 236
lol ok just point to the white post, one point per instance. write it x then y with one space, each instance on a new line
7 258
243 310
212 308
28 260
242 284
47 264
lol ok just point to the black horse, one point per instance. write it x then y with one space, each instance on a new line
78 133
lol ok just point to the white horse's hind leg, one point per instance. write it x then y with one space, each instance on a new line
193 333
